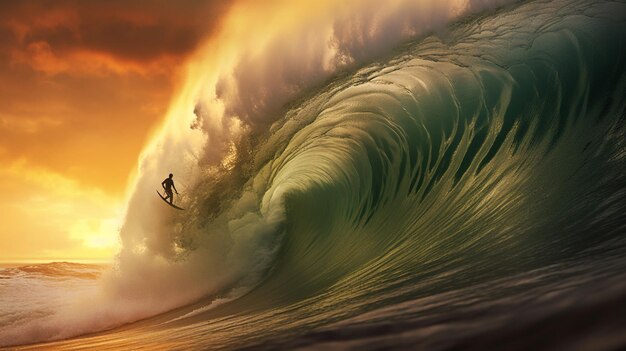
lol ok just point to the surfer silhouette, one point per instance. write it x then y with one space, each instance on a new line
168 185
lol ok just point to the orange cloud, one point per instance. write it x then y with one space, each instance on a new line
81 37
28 126
40 57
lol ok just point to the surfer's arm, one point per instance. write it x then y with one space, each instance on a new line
163 183
174 186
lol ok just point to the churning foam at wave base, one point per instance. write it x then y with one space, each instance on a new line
236 86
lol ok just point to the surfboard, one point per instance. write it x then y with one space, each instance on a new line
167 202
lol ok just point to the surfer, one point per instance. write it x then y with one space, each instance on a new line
168 184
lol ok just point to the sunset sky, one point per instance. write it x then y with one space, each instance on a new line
84 83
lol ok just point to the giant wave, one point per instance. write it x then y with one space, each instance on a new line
482 163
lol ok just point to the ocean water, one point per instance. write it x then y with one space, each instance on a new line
35 291
466 190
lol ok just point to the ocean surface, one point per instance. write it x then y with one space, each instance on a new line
465 191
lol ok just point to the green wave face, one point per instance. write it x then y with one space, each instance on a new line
489 150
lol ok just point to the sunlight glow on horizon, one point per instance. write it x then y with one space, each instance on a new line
69 220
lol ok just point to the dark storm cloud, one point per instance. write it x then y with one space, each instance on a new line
7 40
136 30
